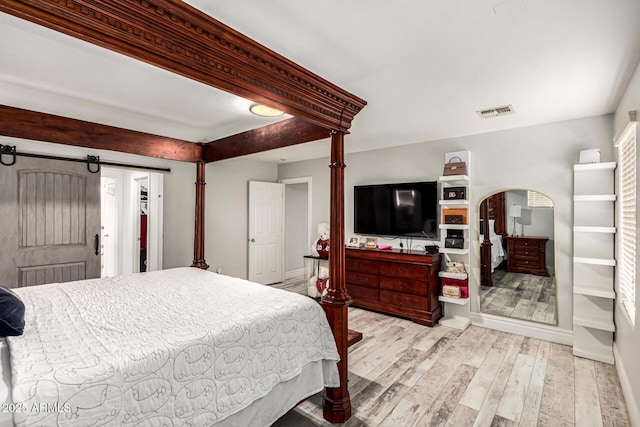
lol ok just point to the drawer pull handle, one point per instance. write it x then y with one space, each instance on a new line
402 285
402 270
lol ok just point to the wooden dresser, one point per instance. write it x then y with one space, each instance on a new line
527 255
395 282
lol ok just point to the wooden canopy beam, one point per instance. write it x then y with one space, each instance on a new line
26 124
173 35
277 135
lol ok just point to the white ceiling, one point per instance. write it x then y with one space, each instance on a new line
423 66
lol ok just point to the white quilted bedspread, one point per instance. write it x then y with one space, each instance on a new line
174 347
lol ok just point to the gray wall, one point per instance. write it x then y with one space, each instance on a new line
540 158
296 229
226 212
533 222
627 344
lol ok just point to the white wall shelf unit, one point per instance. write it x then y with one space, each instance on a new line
458 276
454 202
585 229
456 310
463 251
454 226
595 198
457 301
594 261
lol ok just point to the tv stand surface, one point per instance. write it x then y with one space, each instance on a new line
397 282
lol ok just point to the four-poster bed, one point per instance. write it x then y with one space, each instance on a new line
179 38
493 229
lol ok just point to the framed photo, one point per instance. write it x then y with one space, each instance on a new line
371 243
353 242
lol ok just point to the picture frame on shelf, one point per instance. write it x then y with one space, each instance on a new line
371 243
353 241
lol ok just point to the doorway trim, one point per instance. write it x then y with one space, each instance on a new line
301 180
128 257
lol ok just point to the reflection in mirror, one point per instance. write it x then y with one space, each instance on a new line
517 268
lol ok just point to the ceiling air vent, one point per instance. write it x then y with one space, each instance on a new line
495 112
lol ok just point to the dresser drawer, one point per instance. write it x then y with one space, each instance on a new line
523 244
408 286
526 252
362 292
357 264
362 279
398 269
400 299
526 262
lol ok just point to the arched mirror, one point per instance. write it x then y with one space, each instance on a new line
517 256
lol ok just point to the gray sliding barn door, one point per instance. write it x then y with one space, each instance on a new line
49 217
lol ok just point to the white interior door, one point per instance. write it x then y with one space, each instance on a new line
266 232
124 220
50 228
110 194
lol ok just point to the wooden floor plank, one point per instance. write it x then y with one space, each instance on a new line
481 383
378 410
428 387
421 366
531 406
512 401
405 413
442 407
477 356
462 416
491 402
613 407
558 399
587 408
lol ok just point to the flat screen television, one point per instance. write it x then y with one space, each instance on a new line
405 209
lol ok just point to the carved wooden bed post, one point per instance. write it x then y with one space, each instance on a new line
337 404
198 238
485 247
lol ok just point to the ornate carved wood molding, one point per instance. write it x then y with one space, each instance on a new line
179 38
19 123
277 135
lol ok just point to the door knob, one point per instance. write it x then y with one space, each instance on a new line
252 240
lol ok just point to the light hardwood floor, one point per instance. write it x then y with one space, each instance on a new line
519 295
403 374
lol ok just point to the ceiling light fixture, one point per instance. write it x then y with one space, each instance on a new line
264 111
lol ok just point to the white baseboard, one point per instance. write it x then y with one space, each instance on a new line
521 327
293 273
630 399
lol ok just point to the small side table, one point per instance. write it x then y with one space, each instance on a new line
312 266
527 255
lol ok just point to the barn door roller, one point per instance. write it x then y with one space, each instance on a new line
93 162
